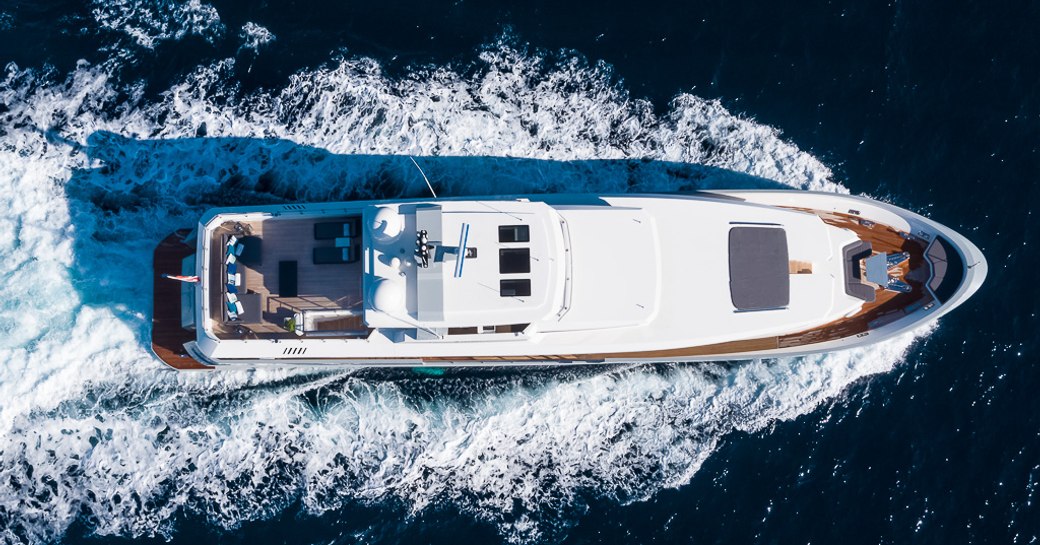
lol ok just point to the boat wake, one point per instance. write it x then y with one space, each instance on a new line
94 173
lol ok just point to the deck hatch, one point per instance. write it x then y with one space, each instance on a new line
514 260
514 233
515 287
758 268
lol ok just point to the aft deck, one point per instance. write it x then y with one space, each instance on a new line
280 280
168 337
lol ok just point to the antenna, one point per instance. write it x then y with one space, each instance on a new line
500 211
423 176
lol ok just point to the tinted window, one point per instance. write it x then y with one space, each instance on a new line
517 287
514 260
514 233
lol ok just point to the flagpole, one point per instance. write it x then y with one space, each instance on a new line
187 279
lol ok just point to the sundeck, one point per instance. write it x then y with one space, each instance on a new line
552 279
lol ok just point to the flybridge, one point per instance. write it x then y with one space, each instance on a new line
564 268
472 264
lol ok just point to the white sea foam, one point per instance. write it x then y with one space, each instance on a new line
89 423
254 36
148 22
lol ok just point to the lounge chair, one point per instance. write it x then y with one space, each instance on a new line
337 229
333 255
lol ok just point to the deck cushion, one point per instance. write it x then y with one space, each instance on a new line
758 268
334 256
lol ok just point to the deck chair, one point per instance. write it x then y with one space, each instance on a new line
337 229
333 255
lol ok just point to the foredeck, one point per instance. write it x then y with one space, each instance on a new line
887 306
168 337
329 286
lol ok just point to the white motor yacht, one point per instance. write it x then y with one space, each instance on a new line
552 279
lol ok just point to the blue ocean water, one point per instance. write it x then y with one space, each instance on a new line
120 120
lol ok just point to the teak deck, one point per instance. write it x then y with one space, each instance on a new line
327 286
889 304
168 337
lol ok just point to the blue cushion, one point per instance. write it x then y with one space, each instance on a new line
231 268
231 288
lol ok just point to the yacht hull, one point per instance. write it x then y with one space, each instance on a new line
884 225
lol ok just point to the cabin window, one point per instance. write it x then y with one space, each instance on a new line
514 233
515 287
488 329
514 260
